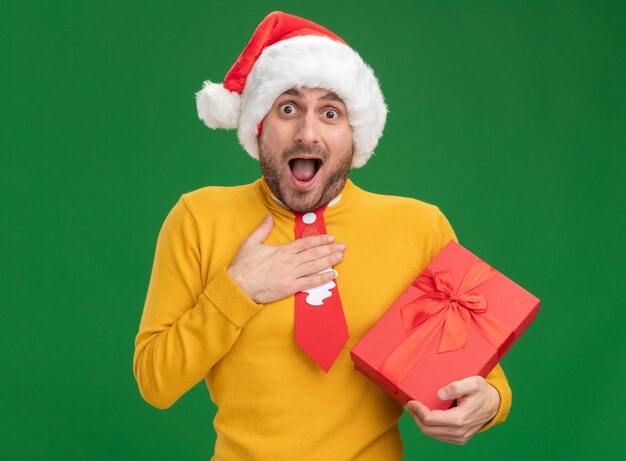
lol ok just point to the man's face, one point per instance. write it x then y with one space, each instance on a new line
305 148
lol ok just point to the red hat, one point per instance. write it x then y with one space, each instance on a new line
288 52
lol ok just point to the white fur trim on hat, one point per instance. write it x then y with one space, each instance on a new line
218 107
314 62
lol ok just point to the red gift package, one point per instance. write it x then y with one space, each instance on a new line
457 319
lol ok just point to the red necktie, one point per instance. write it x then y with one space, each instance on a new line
320 325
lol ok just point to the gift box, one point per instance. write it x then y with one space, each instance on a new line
458 318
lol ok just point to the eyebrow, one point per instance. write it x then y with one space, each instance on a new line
330 96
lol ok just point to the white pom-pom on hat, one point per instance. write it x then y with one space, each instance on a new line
218 107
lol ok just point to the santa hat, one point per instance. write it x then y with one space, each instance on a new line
288 52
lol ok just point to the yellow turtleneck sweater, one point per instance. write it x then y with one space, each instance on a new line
273 401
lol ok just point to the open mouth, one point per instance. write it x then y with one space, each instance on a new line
304 169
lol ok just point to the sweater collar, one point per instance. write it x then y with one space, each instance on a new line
340 202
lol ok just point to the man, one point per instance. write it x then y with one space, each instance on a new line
268 321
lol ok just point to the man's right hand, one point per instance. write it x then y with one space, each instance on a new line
268 273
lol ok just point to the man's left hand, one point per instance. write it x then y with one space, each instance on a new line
477 403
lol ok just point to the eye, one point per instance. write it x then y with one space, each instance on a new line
331 114
287 108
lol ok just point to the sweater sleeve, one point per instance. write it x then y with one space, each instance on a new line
443 233
185 328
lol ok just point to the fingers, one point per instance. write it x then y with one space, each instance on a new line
318 252
304 283
317 265
263 230
447 426
417 409
306 243
314 254
431 418
458 389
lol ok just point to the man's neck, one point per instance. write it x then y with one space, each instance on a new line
329 204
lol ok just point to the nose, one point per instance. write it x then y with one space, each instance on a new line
307 131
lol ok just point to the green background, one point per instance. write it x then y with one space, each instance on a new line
510 116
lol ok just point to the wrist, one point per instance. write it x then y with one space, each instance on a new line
494 399
236 276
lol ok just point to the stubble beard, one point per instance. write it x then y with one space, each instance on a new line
271 168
